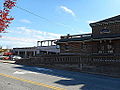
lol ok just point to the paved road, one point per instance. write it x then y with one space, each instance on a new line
20 77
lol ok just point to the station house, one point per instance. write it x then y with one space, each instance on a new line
104 39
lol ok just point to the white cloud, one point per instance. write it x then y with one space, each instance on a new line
37 33
91 21
25 21
83 32
25 37
64 8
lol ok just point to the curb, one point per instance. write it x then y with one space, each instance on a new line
6 61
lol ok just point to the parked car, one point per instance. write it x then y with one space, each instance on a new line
1 57
4 57
16 57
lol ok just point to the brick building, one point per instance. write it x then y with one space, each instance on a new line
104 39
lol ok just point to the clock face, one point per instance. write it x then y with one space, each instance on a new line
104 31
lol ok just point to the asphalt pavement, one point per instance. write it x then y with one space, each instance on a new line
12 84
21 77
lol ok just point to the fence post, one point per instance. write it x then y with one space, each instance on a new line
80 65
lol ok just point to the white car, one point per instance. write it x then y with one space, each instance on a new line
16 57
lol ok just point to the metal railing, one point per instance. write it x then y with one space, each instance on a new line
76 36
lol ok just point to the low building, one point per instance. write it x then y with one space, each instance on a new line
104 39
48 47
43 47
25 52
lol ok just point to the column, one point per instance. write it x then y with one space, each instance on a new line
18 53
51 43
41 43
25 54
38 43
34 53
48 43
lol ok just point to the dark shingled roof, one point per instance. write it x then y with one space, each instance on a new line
115 18
75 39
106 36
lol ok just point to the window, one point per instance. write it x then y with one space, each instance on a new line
83 46
57 47
67 47
110 49
104 31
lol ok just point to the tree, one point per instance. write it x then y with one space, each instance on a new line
5 18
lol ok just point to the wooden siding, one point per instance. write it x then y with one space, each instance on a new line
76 47
100 46
113 27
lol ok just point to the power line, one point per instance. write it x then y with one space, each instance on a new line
43 18
32 13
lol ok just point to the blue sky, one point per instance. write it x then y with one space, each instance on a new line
63 17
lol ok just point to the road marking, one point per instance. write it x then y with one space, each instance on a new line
24 72
32 82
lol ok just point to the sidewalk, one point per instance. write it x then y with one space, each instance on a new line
6 61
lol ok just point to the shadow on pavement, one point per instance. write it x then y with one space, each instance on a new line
89 81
